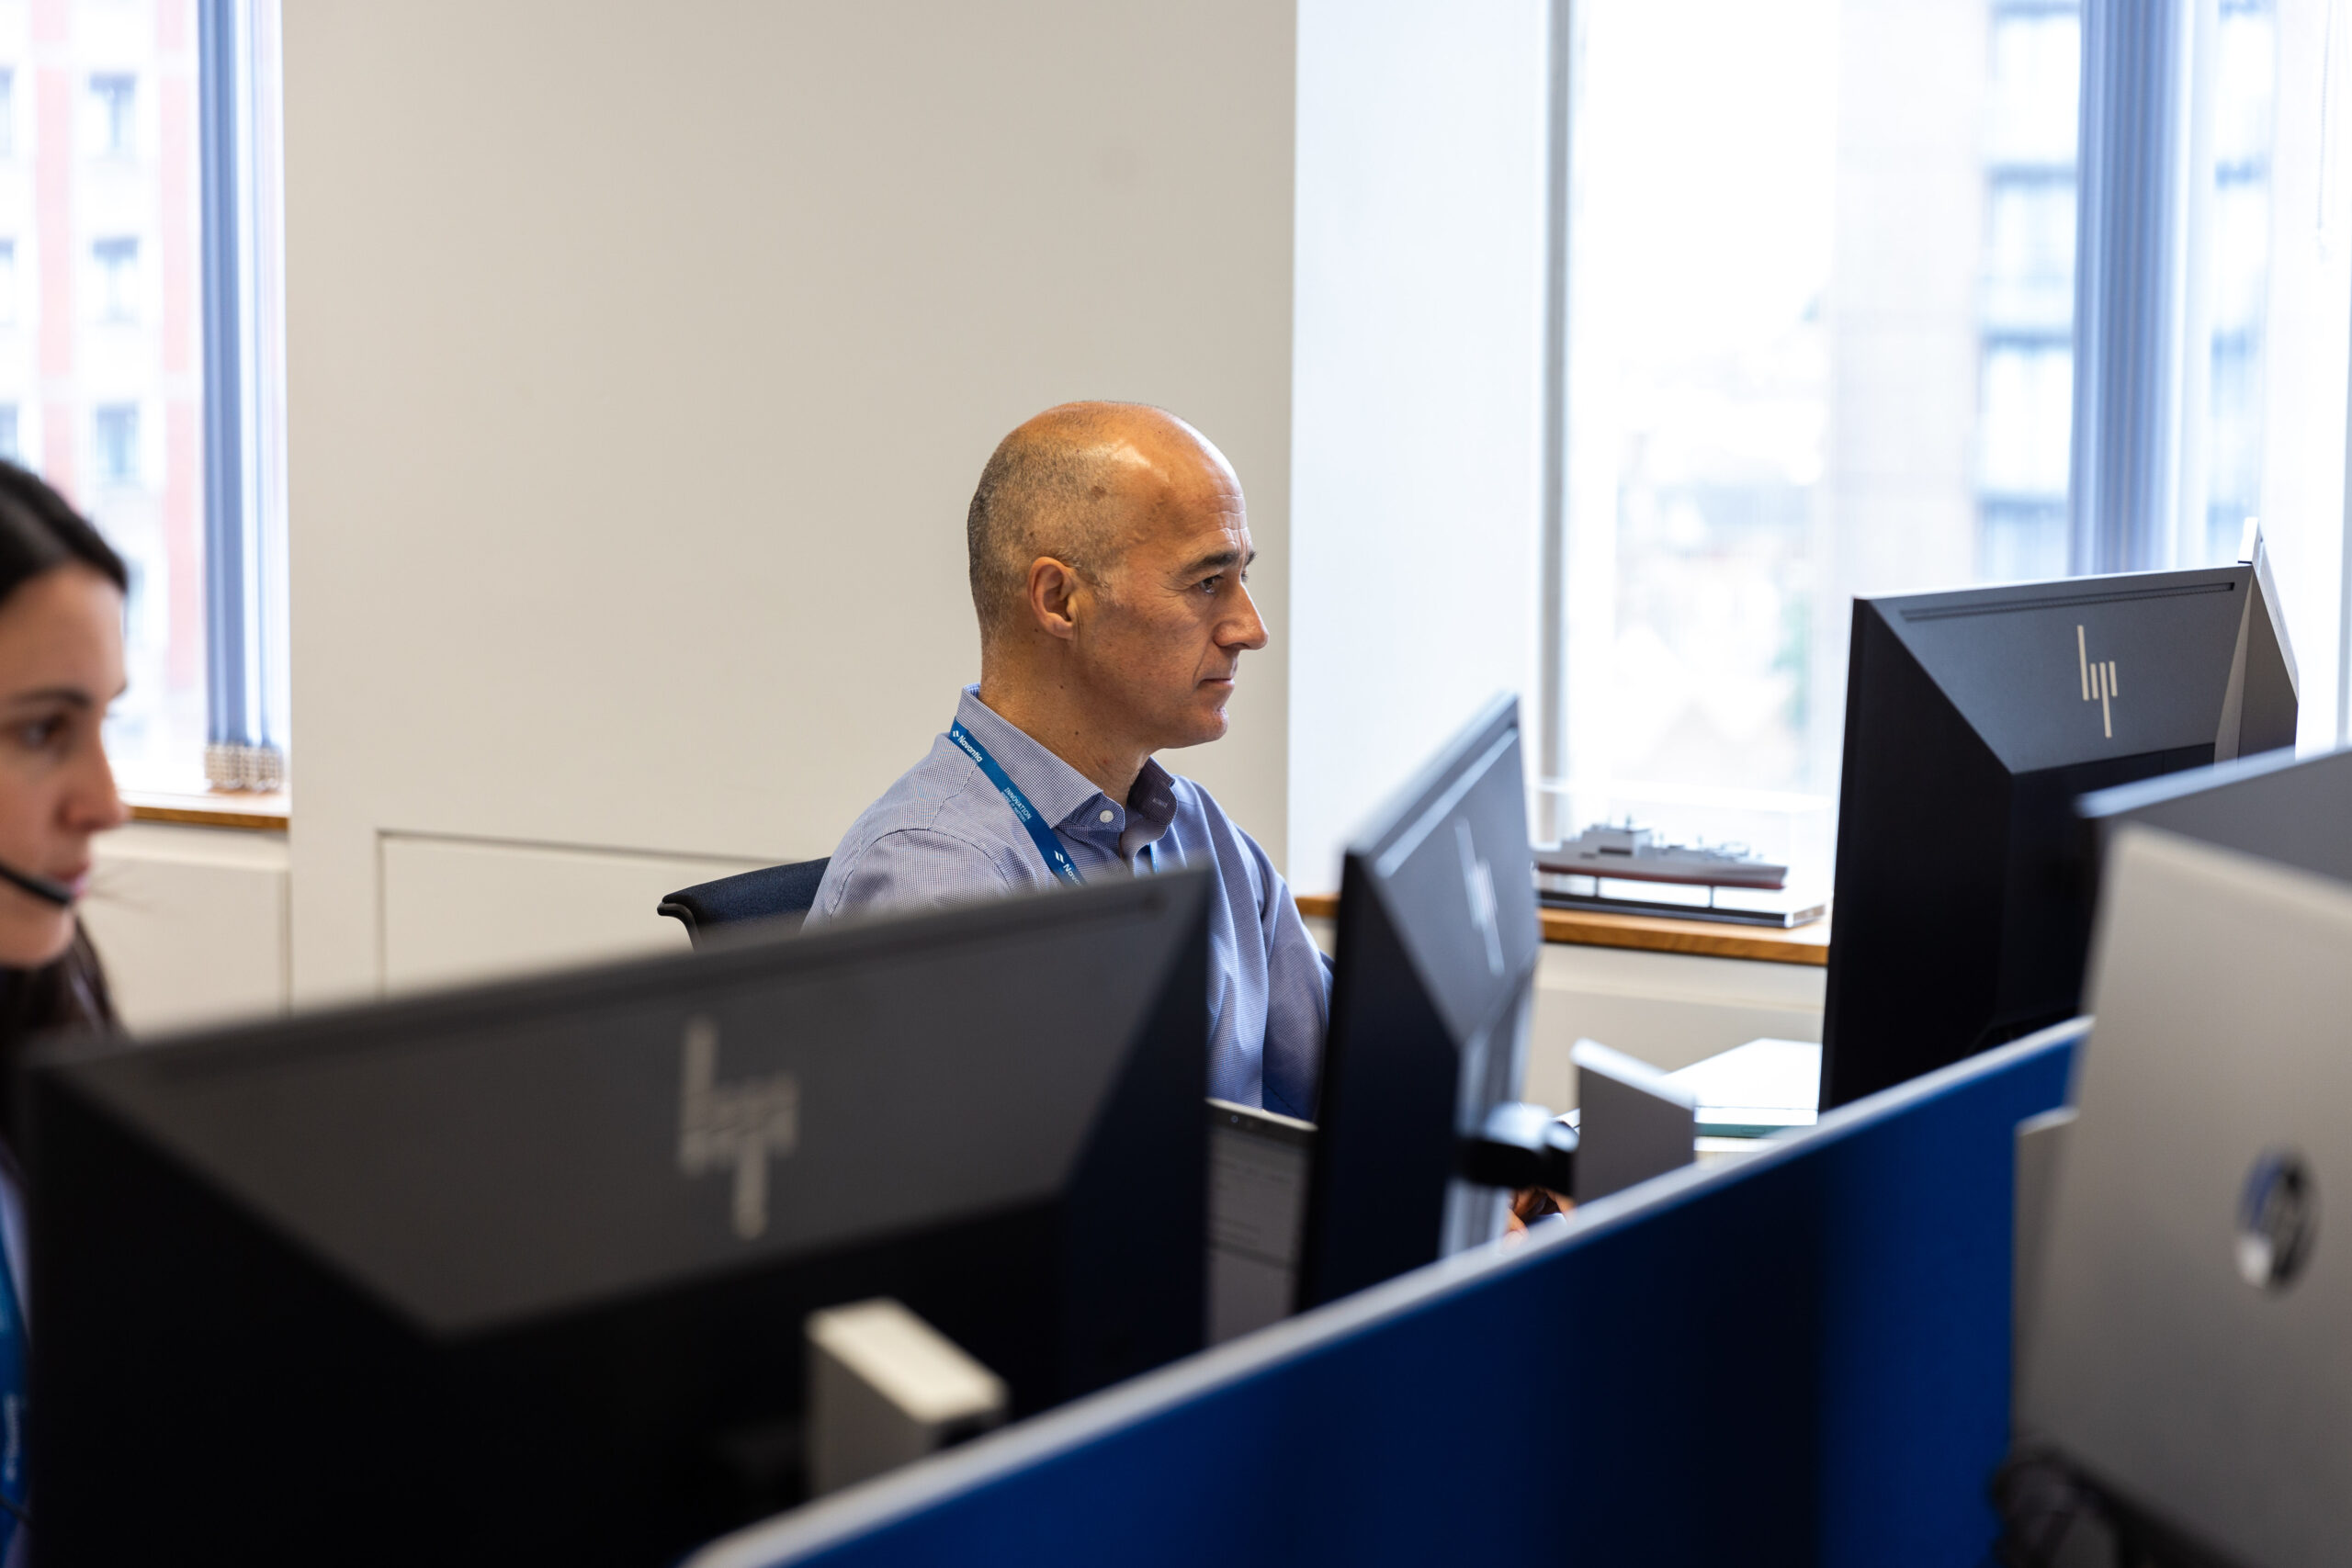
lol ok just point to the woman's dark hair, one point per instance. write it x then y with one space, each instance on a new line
67 995
40 531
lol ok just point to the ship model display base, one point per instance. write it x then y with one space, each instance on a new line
1783 908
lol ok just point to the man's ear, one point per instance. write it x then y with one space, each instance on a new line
1054 589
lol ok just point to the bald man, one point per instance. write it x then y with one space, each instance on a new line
1110 554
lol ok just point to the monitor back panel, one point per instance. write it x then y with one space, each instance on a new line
2294 811
1438 943
2202 1395
551 1241
1973 721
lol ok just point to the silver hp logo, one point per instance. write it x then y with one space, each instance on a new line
1478 882
736 1127
2099 683
2278 1221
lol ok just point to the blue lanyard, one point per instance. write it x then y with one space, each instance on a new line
13 1356
1056 858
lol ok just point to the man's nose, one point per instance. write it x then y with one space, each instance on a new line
1245 630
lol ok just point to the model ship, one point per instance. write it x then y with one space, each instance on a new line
1637 855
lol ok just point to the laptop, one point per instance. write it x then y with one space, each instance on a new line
1256 1204
2187 1350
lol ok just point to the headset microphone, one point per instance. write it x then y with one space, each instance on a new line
40 888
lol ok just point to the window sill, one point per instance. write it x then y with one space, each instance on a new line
249 813
1706 939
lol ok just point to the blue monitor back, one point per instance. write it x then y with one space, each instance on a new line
1797 1359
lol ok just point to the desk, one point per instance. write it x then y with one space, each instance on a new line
1670 992
1653 933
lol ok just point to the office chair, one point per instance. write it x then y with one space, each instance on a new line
770 893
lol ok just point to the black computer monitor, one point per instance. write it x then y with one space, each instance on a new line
519 1273
1972 721
1438 942
2294 811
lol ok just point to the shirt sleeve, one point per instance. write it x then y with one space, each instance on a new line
1298 999
910 869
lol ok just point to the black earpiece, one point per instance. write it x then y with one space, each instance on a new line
42 888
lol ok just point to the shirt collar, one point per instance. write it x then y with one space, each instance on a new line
1058 790
1153 800
1151 807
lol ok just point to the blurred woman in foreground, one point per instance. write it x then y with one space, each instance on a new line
61 666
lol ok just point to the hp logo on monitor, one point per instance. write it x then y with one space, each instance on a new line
735 1126
2099 683
1478 883
2278 1221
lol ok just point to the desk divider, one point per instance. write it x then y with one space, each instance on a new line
1801 1356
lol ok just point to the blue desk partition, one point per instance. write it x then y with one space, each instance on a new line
1799 1357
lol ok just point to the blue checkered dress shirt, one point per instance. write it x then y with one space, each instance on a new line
942 835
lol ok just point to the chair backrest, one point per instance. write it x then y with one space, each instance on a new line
773 892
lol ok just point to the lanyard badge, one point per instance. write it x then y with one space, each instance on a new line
1049 848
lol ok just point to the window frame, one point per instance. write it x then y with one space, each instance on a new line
245 718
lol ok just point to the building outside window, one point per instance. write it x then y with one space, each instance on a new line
2236 274
117 95
116 261
1783 387
117 444
2026 320
1820 344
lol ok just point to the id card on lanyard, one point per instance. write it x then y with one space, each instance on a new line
1041 832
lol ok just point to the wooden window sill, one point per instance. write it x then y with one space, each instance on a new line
1706 939
249 813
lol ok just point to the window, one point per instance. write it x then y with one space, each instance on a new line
128 217
117 269
1822 324
117 444
116 96
1820 279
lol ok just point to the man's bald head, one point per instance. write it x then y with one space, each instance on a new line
1074 483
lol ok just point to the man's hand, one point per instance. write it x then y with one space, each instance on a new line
1534 1203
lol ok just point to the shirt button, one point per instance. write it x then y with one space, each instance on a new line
1105 817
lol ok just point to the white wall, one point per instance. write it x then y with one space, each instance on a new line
641 366
1666 1009
1417 455
190 923
446 916
642 360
